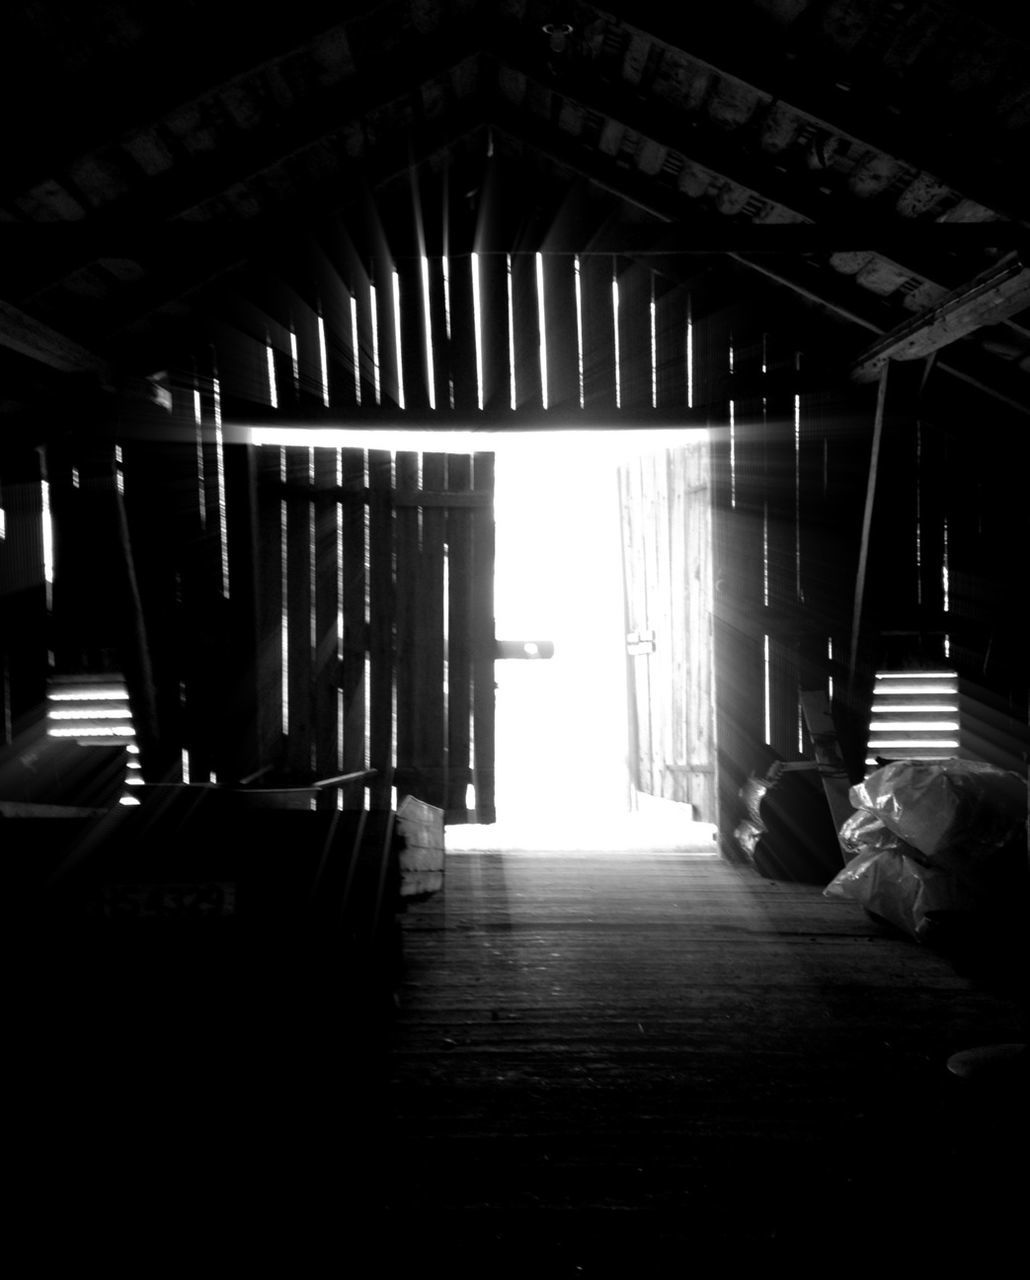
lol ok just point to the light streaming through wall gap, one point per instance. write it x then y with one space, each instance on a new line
198 422
690 355
323 362
615 339
273 390
653 313
733 454
374 308
512 392
223 522
338 548
398 344
48 544
946 586
284 587
427 326
446 265
579 330
542 327
477 323
355 348
798 590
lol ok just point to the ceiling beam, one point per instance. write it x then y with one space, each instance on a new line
790 64
189 258
985 374
837 220
994 296
165 63
839 296
157 201
30 337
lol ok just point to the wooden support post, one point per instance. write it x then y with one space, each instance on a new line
867 521
816 708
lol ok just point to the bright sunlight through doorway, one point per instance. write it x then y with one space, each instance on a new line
562 767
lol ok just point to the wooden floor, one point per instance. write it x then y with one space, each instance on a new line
598 1062
601 1055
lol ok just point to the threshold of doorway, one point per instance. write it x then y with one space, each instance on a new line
628 833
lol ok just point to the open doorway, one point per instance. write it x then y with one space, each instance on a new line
567 764
603 549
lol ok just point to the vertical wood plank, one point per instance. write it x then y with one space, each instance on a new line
482 599
243 380
698 590
562 347
459 641
493 275
243 746
327 654
526 330
269 465
598 332
299 600
24 622
430 737
353 512
413 336
381 625
206 689
638 624
780 535
461 347
739 686
408 631
671 339
685 648
440 327
634 337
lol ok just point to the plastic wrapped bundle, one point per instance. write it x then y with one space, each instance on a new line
947 810
936 846
894 886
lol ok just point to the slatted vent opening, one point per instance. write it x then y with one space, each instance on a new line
94 711
915 716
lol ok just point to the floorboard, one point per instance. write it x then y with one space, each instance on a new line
605 1052
598 1062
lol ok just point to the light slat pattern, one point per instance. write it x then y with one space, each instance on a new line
786 499
914 716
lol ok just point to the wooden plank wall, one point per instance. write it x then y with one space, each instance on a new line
789 477
666 529
308 613
350 590
24 617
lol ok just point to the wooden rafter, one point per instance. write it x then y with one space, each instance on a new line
834 294
30 337
994 296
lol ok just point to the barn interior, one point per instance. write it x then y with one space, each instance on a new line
283 295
